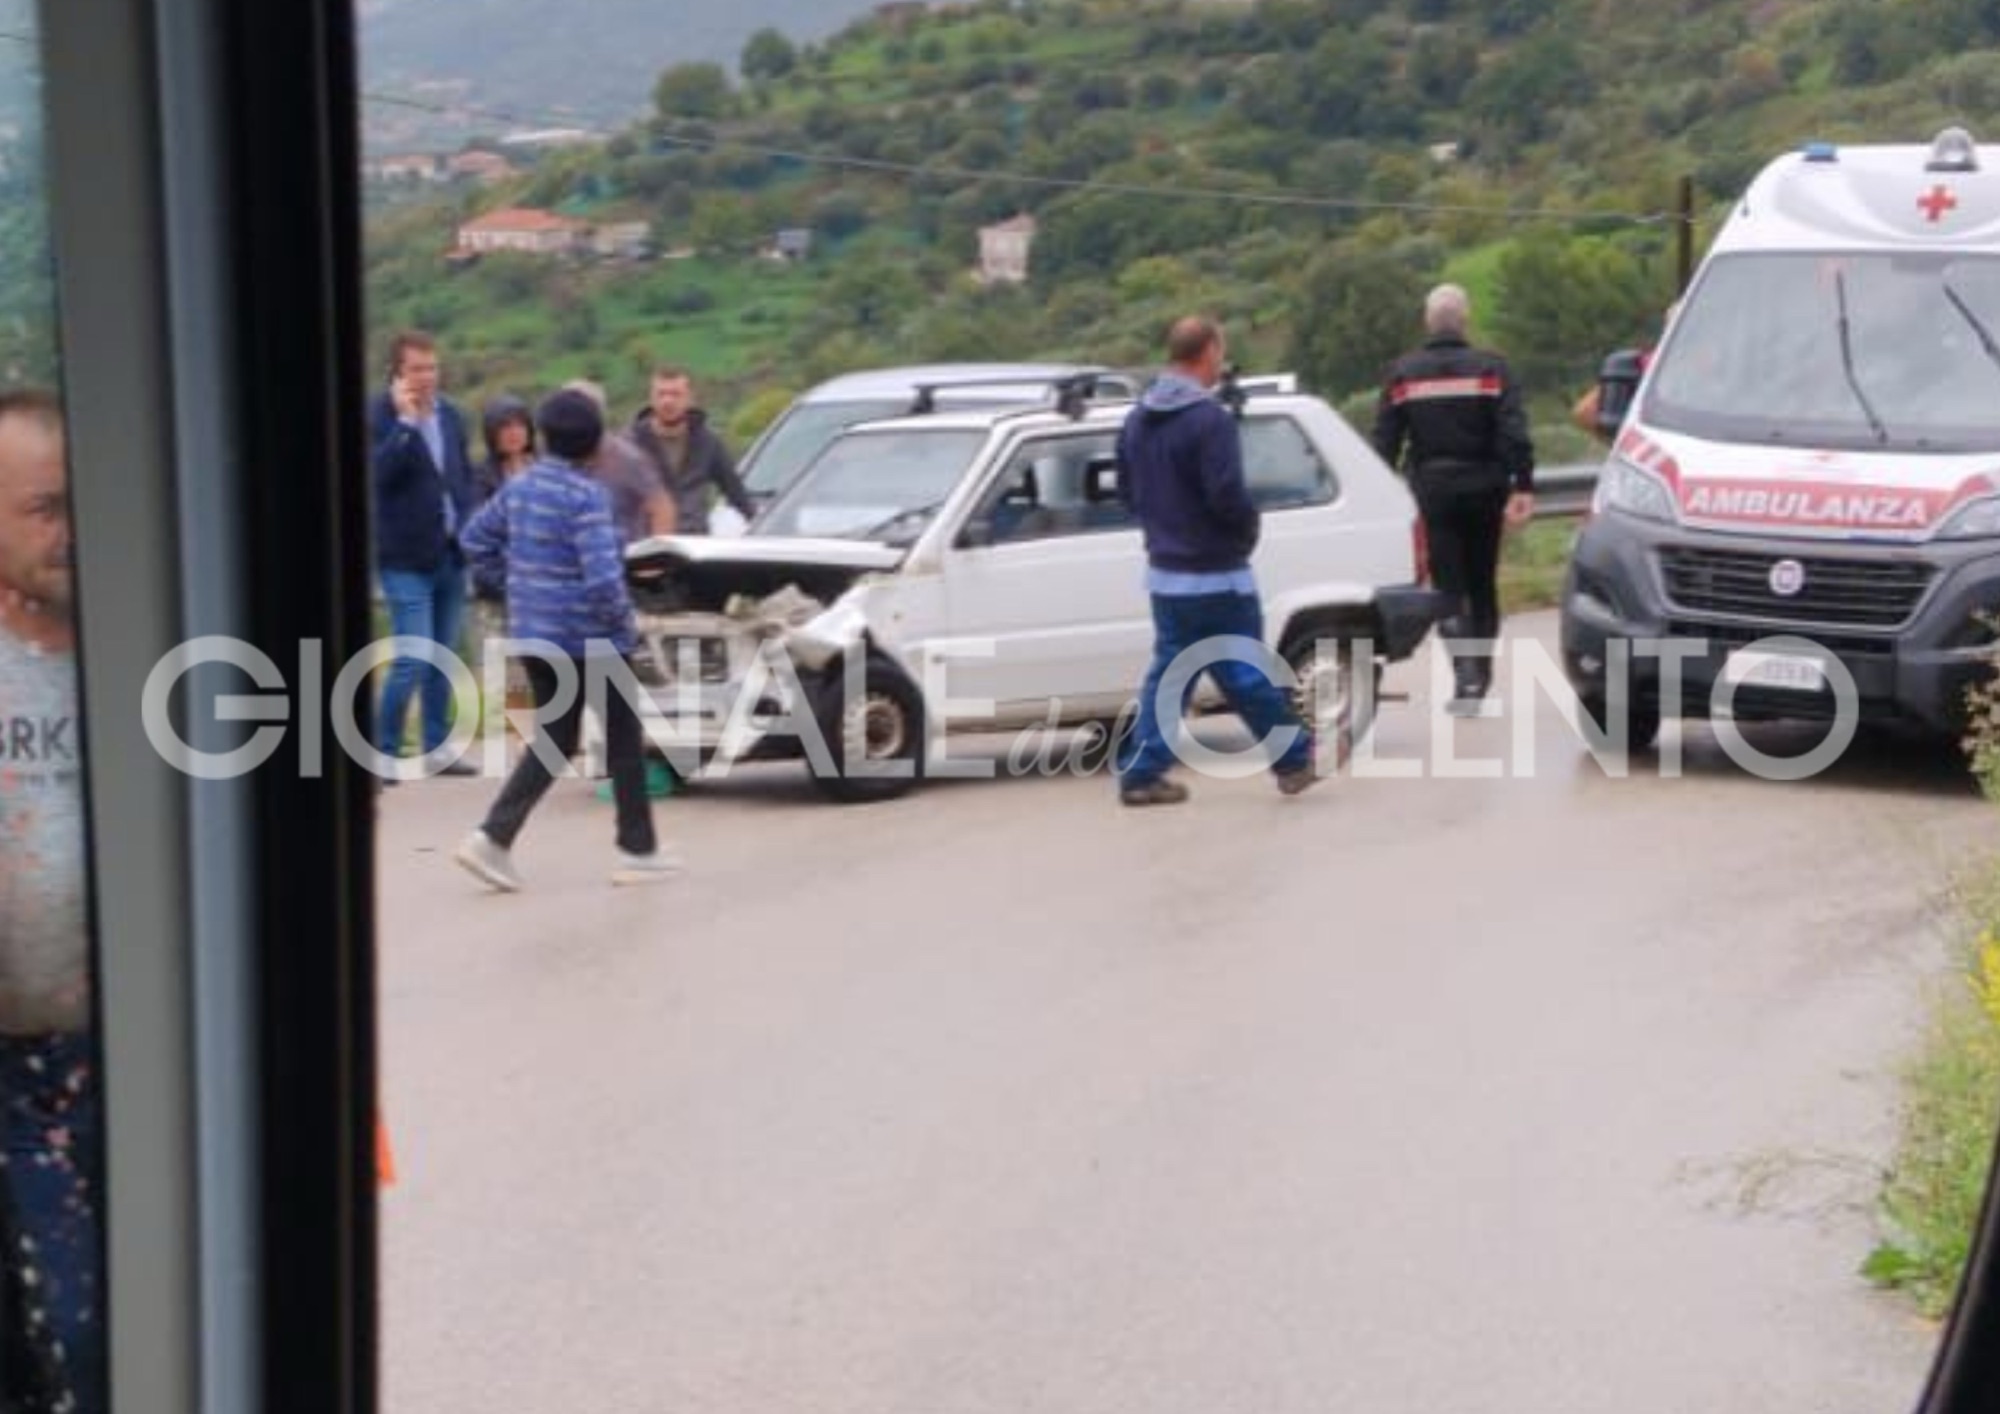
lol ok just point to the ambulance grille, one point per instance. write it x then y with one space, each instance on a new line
1862 594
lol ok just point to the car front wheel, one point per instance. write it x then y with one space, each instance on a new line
875 737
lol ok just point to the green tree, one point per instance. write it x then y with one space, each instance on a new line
1442 63
768 56
840 215
724 224
1357 309
698 91
1513 96
1561 301
870 295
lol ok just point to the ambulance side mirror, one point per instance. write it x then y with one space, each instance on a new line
1617 385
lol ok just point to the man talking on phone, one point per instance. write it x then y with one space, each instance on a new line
424 493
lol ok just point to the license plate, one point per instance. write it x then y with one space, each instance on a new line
1789 672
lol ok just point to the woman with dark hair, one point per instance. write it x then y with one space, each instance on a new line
510 450
510 445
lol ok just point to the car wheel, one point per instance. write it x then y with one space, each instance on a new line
877 739
1642 720
1325 697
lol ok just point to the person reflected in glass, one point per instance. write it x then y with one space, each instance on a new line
51 1188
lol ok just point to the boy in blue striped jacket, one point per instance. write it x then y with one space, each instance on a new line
549 532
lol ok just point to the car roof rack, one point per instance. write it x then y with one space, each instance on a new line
1073 391
1235 390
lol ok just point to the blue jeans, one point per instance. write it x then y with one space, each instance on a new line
1179 623
51 1195
424 606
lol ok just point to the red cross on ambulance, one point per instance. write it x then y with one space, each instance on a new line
1936 202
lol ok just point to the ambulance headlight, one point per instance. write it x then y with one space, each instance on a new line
1978 521
1621 486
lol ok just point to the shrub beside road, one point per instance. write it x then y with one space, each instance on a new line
1934 1191
1532 565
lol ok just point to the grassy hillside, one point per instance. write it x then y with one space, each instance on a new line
1304 168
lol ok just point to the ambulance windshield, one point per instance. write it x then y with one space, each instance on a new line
1757 354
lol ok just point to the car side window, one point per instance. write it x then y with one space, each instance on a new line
1057 486
1284 467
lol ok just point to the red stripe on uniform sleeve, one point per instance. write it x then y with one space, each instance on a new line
1421 390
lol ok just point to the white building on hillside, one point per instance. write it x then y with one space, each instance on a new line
1004 251
523 229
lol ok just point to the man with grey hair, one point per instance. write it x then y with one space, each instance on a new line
1450 417
1448 310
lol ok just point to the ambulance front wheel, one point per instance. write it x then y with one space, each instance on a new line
1642 720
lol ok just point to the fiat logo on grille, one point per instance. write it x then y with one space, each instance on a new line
1788 579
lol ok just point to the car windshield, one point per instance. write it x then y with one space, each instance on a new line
875 485
802 434
1837 350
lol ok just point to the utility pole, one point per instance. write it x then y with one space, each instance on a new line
1684 233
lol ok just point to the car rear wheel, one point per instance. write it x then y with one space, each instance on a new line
1326 698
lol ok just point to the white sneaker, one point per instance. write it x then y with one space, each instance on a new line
489 863
655 868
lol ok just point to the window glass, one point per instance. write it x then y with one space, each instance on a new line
802 434
1759 354
52 1335
875 484
1058 486
1282 465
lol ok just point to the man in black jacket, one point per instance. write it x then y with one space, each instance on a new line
1457 412
424 493
691 457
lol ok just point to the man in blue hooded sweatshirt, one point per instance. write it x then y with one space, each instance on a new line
1180 471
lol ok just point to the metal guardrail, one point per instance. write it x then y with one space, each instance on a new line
1565 490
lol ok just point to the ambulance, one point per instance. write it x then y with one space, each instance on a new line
1800 514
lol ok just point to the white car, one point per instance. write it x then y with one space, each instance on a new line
972 572
820 414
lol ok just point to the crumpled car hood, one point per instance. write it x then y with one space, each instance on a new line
696 573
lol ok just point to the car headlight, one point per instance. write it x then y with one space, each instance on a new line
1621 486
1978 521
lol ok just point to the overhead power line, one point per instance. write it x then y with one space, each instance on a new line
1249 196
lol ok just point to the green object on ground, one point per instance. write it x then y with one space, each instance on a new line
661 782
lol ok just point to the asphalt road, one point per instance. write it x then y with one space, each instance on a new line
1552 1093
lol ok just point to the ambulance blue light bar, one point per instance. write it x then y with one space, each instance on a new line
1821 152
